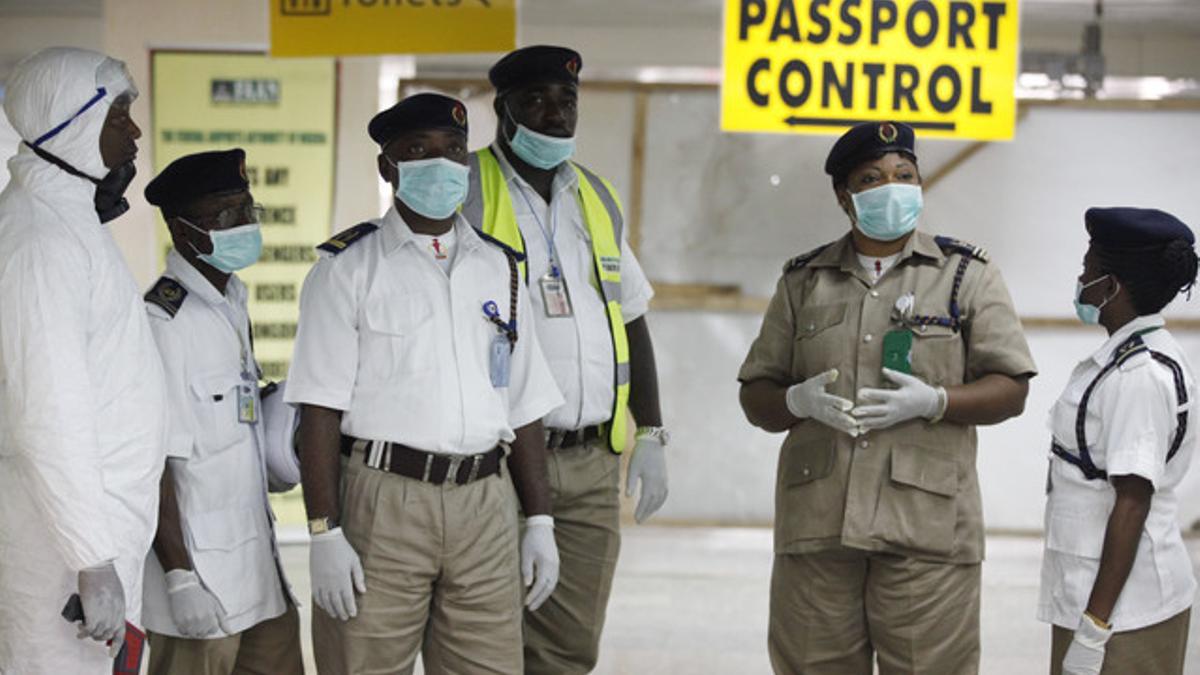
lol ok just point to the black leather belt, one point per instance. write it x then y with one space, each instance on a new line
569 438
425 466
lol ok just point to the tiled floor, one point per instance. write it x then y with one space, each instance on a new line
693 601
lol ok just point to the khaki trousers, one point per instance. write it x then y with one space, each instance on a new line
269 648
563 636
442 577
833 612
1153 650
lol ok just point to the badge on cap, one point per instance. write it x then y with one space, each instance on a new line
888 132
459 113
573 67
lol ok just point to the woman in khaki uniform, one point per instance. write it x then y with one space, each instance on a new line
879 354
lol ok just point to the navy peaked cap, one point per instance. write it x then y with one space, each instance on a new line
1128 227
536 64
193 176
418 112
866 140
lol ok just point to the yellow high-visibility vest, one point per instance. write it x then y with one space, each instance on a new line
489 208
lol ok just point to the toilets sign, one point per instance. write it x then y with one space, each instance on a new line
947 67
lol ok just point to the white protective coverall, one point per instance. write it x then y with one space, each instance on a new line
82 418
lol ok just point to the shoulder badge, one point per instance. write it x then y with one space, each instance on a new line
952 245
346 238
167 294
508 250
1128 350
803 259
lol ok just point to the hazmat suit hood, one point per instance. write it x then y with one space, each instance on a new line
57 100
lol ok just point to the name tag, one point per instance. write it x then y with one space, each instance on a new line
610 264
499 361
554 296
247 405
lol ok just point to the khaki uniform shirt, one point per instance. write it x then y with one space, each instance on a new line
911 489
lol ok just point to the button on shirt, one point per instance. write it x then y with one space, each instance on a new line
1130 424
579 347
216 461
403 348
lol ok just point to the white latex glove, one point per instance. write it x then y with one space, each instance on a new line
647 465
336 574
539 560
1085 656
809 399
196 611
103 600
888 407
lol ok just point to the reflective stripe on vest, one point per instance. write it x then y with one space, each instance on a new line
489 207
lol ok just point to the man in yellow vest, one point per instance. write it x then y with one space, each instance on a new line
589 298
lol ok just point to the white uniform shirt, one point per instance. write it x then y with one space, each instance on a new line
403 348
217 461
1131 421
579 347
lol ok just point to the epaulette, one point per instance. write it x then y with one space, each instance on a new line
346 238
520 257
803 259
167 294
1129 349
952 245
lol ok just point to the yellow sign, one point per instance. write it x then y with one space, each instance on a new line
281 112
343 27
947 67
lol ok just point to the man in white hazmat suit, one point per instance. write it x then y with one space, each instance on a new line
81 388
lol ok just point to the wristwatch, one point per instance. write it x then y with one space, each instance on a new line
659 434
320 525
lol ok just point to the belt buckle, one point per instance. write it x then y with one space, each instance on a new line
452 469
554 438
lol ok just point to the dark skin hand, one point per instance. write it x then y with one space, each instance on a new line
416 145
1121 536
320 460
209 213
550 108
119 134
168 540
991 399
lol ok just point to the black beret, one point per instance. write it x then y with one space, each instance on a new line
540 63
1127 227
867 140
419 111
193 176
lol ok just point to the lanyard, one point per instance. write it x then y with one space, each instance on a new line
551 250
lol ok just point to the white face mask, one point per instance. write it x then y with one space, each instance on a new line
539 150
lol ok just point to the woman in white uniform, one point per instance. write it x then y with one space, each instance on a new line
1117 583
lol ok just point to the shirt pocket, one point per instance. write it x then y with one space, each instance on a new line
217 537
937 355
398 337
215 400
820 344
918 505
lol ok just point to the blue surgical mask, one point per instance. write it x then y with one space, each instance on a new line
1089 314
434 188
889 211
540 150
232 249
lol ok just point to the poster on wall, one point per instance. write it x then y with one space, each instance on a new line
947 67
282 113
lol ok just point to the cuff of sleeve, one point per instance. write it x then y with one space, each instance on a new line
540 521
528 412
297 395
180 446
1142 465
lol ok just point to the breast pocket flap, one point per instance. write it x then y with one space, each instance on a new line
812 320
920 468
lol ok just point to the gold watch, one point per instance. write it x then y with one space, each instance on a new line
320 525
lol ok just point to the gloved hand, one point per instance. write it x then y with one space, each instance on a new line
103 601
1085 656
336 574
539 560
196 611
649 466
913 399
808 399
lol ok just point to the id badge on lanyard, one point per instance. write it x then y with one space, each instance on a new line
247 403
555 297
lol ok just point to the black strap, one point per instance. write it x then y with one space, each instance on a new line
1126 350
61 164
954 320
514 280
